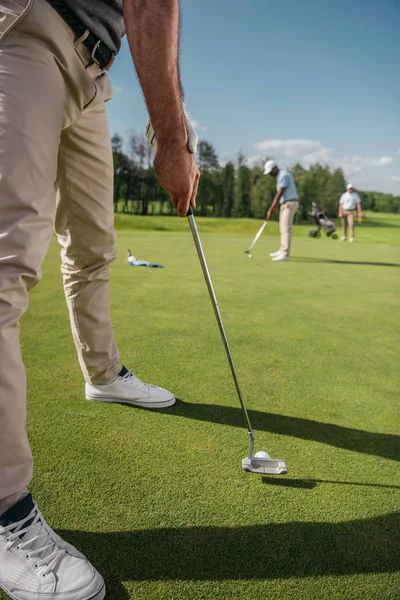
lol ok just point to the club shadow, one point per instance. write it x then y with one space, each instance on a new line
344 262
385 445
259 552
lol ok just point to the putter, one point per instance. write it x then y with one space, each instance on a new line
253 243
260 463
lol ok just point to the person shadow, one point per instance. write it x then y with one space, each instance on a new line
309 259
386 445
267 551
255 552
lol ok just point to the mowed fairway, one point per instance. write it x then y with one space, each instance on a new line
158 500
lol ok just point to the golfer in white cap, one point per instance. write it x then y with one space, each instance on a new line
349 201
287 197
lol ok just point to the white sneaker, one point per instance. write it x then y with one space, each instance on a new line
129 389
343 238
351 240
272 254
36 564
280 256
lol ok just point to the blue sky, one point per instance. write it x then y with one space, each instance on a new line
300 80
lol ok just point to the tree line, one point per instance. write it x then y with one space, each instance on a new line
230 190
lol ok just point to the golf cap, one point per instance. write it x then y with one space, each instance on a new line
269 165
350 185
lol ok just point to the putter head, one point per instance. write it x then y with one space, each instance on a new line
264 466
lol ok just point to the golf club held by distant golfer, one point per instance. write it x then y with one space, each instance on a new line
257 237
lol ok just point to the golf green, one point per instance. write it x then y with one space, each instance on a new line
158 500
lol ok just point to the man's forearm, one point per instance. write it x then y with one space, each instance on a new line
152 28
275 201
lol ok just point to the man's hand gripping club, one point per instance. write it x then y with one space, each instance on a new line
176 170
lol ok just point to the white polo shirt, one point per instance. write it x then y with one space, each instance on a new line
349 200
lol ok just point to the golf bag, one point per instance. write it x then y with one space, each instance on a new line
322 222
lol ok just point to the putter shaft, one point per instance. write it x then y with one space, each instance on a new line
213 297
258 234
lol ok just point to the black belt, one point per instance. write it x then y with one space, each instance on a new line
100 53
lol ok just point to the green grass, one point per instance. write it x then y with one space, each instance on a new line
158 500
376 227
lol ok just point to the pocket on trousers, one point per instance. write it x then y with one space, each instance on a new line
12 12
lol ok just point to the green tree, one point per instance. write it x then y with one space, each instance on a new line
209 185
234 190
228 179
262 195
242 192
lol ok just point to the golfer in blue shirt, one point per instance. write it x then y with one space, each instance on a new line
287 197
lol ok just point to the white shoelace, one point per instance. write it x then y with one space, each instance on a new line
37 540
131 379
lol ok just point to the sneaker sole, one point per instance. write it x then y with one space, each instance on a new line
136 402
98 595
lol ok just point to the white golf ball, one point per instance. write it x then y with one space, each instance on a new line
262 454
249 255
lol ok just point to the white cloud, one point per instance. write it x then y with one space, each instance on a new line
307 152
118 89
395 178
366 170
355 164
196 124
398 150
322 156
289 147
312 151
383 161
254 161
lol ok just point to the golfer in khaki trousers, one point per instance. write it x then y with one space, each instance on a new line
349 202
287 197
56 169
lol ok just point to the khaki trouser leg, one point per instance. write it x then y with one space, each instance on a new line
348 217
344 226
286 216
350 220
84 225
44 87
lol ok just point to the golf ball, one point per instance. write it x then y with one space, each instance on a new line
249 255
262 454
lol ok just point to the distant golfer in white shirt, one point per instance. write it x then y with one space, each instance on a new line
287 197
349 202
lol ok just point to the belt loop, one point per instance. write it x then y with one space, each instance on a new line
83 37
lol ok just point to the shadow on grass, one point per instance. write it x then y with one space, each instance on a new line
310 484
371 222
378 444
344 262
260 552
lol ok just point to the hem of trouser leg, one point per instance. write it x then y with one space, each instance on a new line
12 499
107 376
15 479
